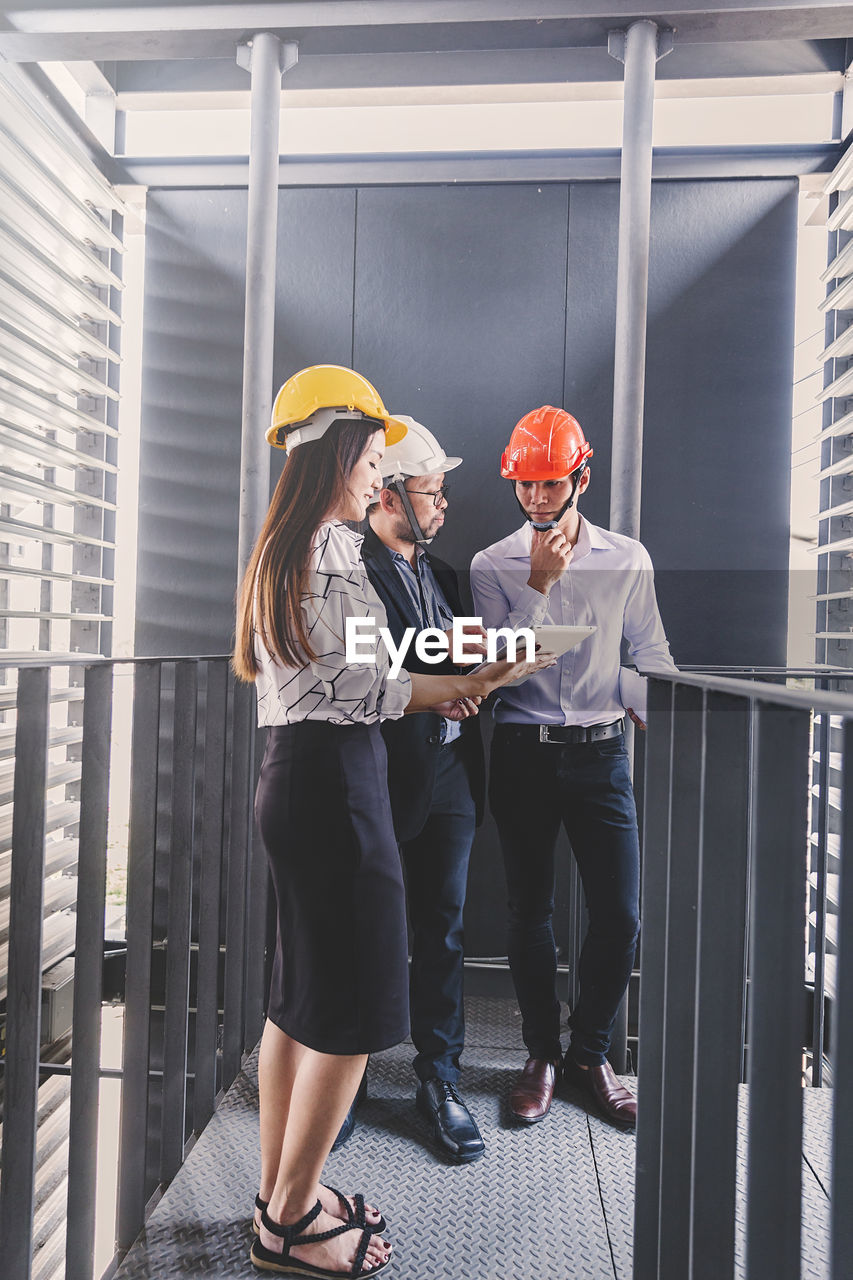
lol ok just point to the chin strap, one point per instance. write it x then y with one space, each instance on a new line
542 525
400 488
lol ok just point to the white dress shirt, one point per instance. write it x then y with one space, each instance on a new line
609 584
329 688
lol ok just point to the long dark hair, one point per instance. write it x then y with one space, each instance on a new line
312 484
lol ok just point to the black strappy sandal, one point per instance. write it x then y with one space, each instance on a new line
356 1217
267 1260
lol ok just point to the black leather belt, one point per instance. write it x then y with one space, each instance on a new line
562 734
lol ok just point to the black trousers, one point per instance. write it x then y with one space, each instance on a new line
533 788
436 862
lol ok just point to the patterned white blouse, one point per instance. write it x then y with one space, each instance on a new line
330 688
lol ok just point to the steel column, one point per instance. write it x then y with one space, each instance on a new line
88 973
23 1003
264 55
632 280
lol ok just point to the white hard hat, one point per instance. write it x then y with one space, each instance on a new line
417 454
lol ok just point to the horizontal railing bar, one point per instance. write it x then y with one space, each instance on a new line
779 695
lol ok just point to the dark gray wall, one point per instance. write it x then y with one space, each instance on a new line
467 306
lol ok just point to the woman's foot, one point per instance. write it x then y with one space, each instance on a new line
336 1254
331 1202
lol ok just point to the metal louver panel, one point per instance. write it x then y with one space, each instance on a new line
61 241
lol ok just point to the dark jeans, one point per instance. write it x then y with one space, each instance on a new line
436 862
533 787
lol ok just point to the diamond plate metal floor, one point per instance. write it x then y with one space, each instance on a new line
549 1202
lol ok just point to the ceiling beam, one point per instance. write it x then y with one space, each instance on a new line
124 31
134 81
333 171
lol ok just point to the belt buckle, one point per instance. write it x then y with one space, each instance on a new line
545 733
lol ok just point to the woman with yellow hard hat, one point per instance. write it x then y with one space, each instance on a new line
339 987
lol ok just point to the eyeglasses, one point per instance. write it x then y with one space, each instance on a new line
435 494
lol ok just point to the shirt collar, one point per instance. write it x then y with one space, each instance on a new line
399 558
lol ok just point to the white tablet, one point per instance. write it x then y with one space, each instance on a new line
550 639
559 640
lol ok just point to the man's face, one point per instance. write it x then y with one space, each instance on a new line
422 491
543 499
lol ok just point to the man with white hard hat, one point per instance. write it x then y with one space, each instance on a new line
435 776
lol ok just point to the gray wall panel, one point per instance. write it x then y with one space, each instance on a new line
717 436
469 306
192 389
460 318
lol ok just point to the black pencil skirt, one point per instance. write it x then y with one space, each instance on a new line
340 975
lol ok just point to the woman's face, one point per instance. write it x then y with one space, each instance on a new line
365 480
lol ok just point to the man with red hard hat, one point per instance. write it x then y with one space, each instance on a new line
558 754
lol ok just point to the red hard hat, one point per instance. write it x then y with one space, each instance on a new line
547 444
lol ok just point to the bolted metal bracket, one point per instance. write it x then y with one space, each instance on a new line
616 41
287 58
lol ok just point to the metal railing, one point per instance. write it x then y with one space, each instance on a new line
195 965
728 791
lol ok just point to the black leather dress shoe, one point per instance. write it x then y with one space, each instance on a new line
345 1131
452 1124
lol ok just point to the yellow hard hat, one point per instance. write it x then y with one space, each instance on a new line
297 414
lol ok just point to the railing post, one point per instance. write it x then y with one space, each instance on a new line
677 1085
210 886
88 973
179 911
133 1153
777 994
23 1001
720 986
841 1246
242 739
654 911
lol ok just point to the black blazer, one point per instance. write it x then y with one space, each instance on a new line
413 741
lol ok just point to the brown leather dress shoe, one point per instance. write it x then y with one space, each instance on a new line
530 1100
612 1099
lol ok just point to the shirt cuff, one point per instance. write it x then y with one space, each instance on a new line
531 603
397 696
